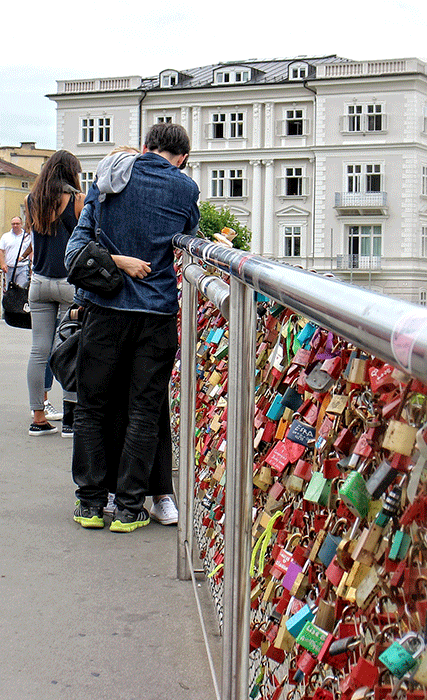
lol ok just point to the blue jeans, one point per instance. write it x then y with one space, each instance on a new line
121 440
47 298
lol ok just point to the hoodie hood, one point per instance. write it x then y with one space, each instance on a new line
114 171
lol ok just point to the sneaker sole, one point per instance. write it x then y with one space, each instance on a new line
67 435
118 526
43 432
173 521
94 522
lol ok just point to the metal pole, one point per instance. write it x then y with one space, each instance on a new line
239 490
187 423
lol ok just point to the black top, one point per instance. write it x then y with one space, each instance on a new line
49 250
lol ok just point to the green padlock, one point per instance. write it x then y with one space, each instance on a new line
312 638
399 546
355 495
318 489
399 660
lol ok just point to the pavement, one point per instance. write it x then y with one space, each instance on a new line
86 614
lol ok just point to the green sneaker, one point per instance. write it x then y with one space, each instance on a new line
89 516
125 521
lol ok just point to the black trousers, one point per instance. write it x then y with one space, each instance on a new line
121 423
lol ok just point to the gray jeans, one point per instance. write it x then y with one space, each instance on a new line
22 275
48 297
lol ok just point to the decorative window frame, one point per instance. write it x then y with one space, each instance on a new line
422 296
423 241
165 118
282 185
424 180
293 235
86 179
227 124
282 125
364 116
168 78
363 175
226 176
298 70
97 124
232 75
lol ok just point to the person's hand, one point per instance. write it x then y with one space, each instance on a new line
4 268
134 267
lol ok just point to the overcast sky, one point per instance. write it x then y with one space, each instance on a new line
48 41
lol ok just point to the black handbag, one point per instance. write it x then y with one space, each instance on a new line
94 270
16 310
63 358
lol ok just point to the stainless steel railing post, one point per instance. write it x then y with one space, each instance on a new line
238 497
187 424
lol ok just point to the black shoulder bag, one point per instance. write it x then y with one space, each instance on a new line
16 310
94 270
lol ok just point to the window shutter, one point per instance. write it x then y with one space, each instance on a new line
280 127
305 127
343 123
305 186
280 186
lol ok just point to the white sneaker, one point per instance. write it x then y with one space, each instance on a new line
51 413
111 506
164 511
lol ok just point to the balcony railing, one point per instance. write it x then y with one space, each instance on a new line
350 69
358 262
353 200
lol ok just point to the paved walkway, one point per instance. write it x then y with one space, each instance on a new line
85 614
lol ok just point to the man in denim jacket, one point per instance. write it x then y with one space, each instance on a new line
128 343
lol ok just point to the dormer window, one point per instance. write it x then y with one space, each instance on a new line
298 71
231 75
169 78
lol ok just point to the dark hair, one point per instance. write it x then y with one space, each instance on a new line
172 138
58 174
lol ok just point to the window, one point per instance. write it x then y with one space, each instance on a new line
232 75
169 79
364 243
298 71
424 181
292 241
103 129
228 183
164 120
96 130
227 125
424 241
364 177
364 118
423 297
294 122
86 179
24 185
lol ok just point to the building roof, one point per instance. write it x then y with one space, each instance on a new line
7 168
264 71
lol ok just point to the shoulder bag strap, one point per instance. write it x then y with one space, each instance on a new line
17 258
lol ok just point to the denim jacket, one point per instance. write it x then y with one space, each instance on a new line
158 202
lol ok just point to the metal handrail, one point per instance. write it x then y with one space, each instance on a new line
391 329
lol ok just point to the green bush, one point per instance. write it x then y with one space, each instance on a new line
213 220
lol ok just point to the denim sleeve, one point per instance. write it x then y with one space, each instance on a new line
82 234
193 220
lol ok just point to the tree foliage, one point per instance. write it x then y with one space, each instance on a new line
213 221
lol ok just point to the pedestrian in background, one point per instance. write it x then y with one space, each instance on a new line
11 243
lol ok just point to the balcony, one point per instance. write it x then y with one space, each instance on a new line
361 203
358 262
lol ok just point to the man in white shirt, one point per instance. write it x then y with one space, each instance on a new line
10 243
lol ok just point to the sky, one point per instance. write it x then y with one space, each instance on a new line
49 41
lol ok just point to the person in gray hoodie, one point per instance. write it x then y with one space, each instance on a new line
130 341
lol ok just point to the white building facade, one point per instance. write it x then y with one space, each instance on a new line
324 159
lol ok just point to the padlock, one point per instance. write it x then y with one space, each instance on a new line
400 437
297 621
399 546
381 479
354 493
358 367
276 408
420 675
291 399
329 547
318 489
312 638
398 659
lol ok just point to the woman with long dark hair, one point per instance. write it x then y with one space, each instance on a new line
53 208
